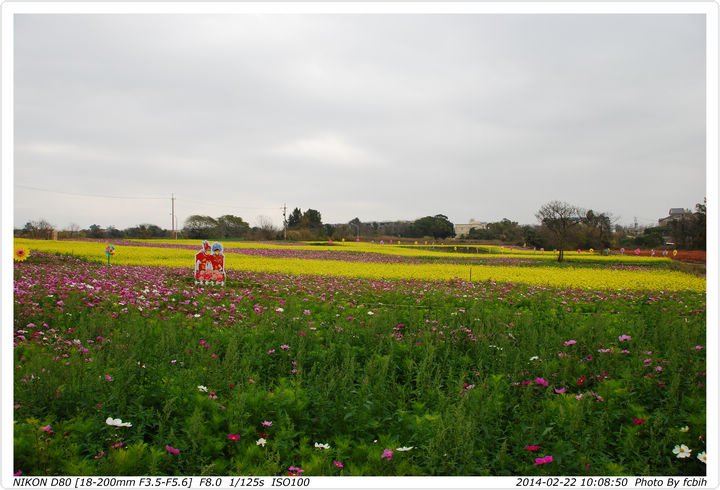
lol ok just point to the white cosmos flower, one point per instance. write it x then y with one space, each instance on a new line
682 451
534 358
404 448
202 388
261 442
117 422
684 429
702 457
320 445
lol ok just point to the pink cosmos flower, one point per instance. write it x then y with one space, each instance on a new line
172 450
387 454
624 338
18 473
544 460
234 437
338 464
108 378
560 390
532 448
267 423
295 471
47 429
570 342
285 347
116 445
699 347
541 381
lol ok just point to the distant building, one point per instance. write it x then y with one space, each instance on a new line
465 229
673 215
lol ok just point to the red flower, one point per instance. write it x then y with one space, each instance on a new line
581 380
532 448
234 437
638 421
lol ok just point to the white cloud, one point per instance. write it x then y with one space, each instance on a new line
326 149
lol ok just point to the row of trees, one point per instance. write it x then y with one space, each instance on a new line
562 226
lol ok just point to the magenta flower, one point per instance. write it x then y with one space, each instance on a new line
338 464
295 471
108 378
172 450
267 423
637 421
624 338
285 347
387 454
532 448
234 437
47 429
541 381
544 460
570 342
18 473
560 390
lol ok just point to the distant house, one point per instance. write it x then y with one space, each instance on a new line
465 229
673 215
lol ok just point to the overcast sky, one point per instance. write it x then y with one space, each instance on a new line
380 117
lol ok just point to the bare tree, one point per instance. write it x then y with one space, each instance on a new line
266 228
73 229
559 218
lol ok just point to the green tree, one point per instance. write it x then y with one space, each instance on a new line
699 229
437 226
311 219
95 231
293 220
230 226
198 226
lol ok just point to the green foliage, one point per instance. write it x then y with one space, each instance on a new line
451 373
437 226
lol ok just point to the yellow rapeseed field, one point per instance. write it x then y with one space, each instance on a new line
585 278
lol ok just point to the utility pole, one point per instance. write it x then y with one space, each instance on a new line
284 208
172 199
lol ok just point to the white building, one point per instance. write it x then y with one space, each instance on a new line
464 229
675 214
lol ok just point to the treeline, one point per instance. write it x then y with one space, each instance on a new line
560 226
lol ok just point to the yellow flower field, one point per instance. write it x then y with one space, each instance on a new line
586 278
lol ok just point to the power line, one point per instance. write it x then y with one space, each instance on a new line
77 194
235 206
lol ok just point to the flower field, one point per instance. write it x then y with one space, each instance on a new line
355 359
